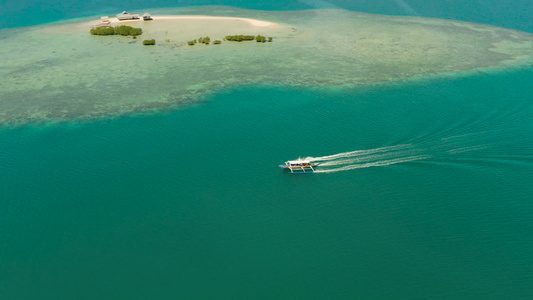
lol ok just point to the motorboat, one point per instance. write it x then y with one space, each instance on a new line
299 166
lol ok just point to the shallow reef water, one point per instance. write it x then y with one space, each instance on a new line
59 71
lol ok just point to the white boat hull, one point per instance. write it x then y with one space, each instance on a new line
307 168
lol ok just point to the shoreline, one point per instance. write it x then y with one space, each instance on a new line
103 76
253 22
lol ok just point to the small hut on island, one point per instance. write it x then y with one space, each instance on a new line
147 17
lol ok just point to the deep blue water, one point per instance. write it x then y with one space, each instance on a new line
189 204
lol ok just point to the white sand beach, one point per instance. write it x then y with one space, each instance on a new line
253 22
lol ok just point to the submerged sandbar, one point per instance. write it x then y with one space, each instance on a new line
59 71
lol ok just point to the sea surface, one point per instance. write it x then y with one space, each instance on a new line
425 189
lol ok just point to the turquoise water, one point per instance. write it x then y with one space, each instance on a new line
190 204
516 15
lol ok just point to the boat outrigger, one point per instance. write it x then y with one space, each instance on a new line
299 166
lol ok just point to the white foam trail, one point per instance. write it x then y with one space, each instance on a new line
369 158
376 164
403 153
373 157
359 153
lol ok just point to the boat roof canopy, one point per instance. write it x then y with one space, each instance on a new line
298 162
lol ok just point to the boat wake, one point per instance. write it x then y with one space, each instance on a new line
397 154
369 158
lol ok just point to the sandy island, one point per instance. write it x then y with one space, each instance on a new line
60 72
253 22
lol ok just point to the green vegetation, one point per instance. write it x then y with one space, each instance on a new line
103 31
118 30
128 30
125 30
149 42
239 38
206 40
